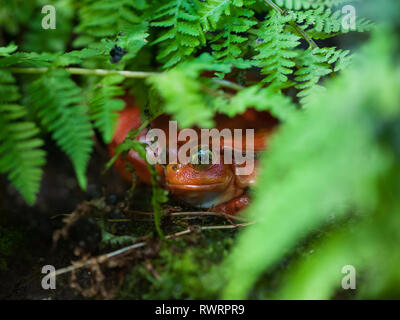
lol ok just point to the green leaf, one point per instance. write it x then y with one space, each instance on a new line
104 105
21 156
326 163
58 103
182 91
276 50
229 45
316 64
184 33
262 99
6 51
101 19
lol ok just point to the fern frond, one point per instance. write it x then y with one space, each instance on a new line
323 23
276 50
57 102
212 10
183 98
335 141
14 14
76 57
8 90
184 32
228 45
104 106
106 18
308 4
21 157
31 59
6 51
262 99
52 40
315 64
181 90
45 59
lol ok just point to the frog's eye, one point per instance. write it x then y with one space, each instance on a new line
201 159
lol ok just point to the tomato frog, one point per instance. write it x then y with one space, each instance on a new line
215 186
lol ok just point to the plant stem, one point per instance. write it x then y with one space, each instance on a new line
304 34
228 84
89 72
126 74
191 213
275 7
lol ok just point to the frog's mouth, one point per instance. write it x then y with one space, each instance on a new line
199 187
206 195
217 187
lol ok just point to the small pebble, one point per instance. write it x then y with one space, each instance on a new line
112 199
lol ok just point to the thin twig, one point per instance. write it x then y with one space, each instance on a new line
119 220
88 72
232 226
104 257
228 84
193 213
207 213
126 74
294 25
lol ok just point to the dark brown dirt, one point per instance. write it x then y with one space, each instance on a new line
59 195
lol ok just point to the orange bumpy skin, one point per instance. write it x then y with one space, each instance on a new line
214 186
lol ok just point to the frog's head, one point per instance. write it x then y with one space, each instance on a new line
201 184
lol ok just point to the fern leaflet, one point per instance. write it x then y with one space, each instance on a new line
20 154
104 105
229 44
315 64
106 18
57 102
261 99
324 23
184 33
275 46
308 4
212 10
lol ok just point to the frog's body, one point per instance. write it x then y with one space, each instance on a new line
216 186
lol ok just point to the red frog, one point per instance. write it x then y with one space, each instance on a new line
215 186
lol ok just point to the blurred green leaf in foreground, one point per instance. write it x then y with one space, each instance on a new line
338 159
